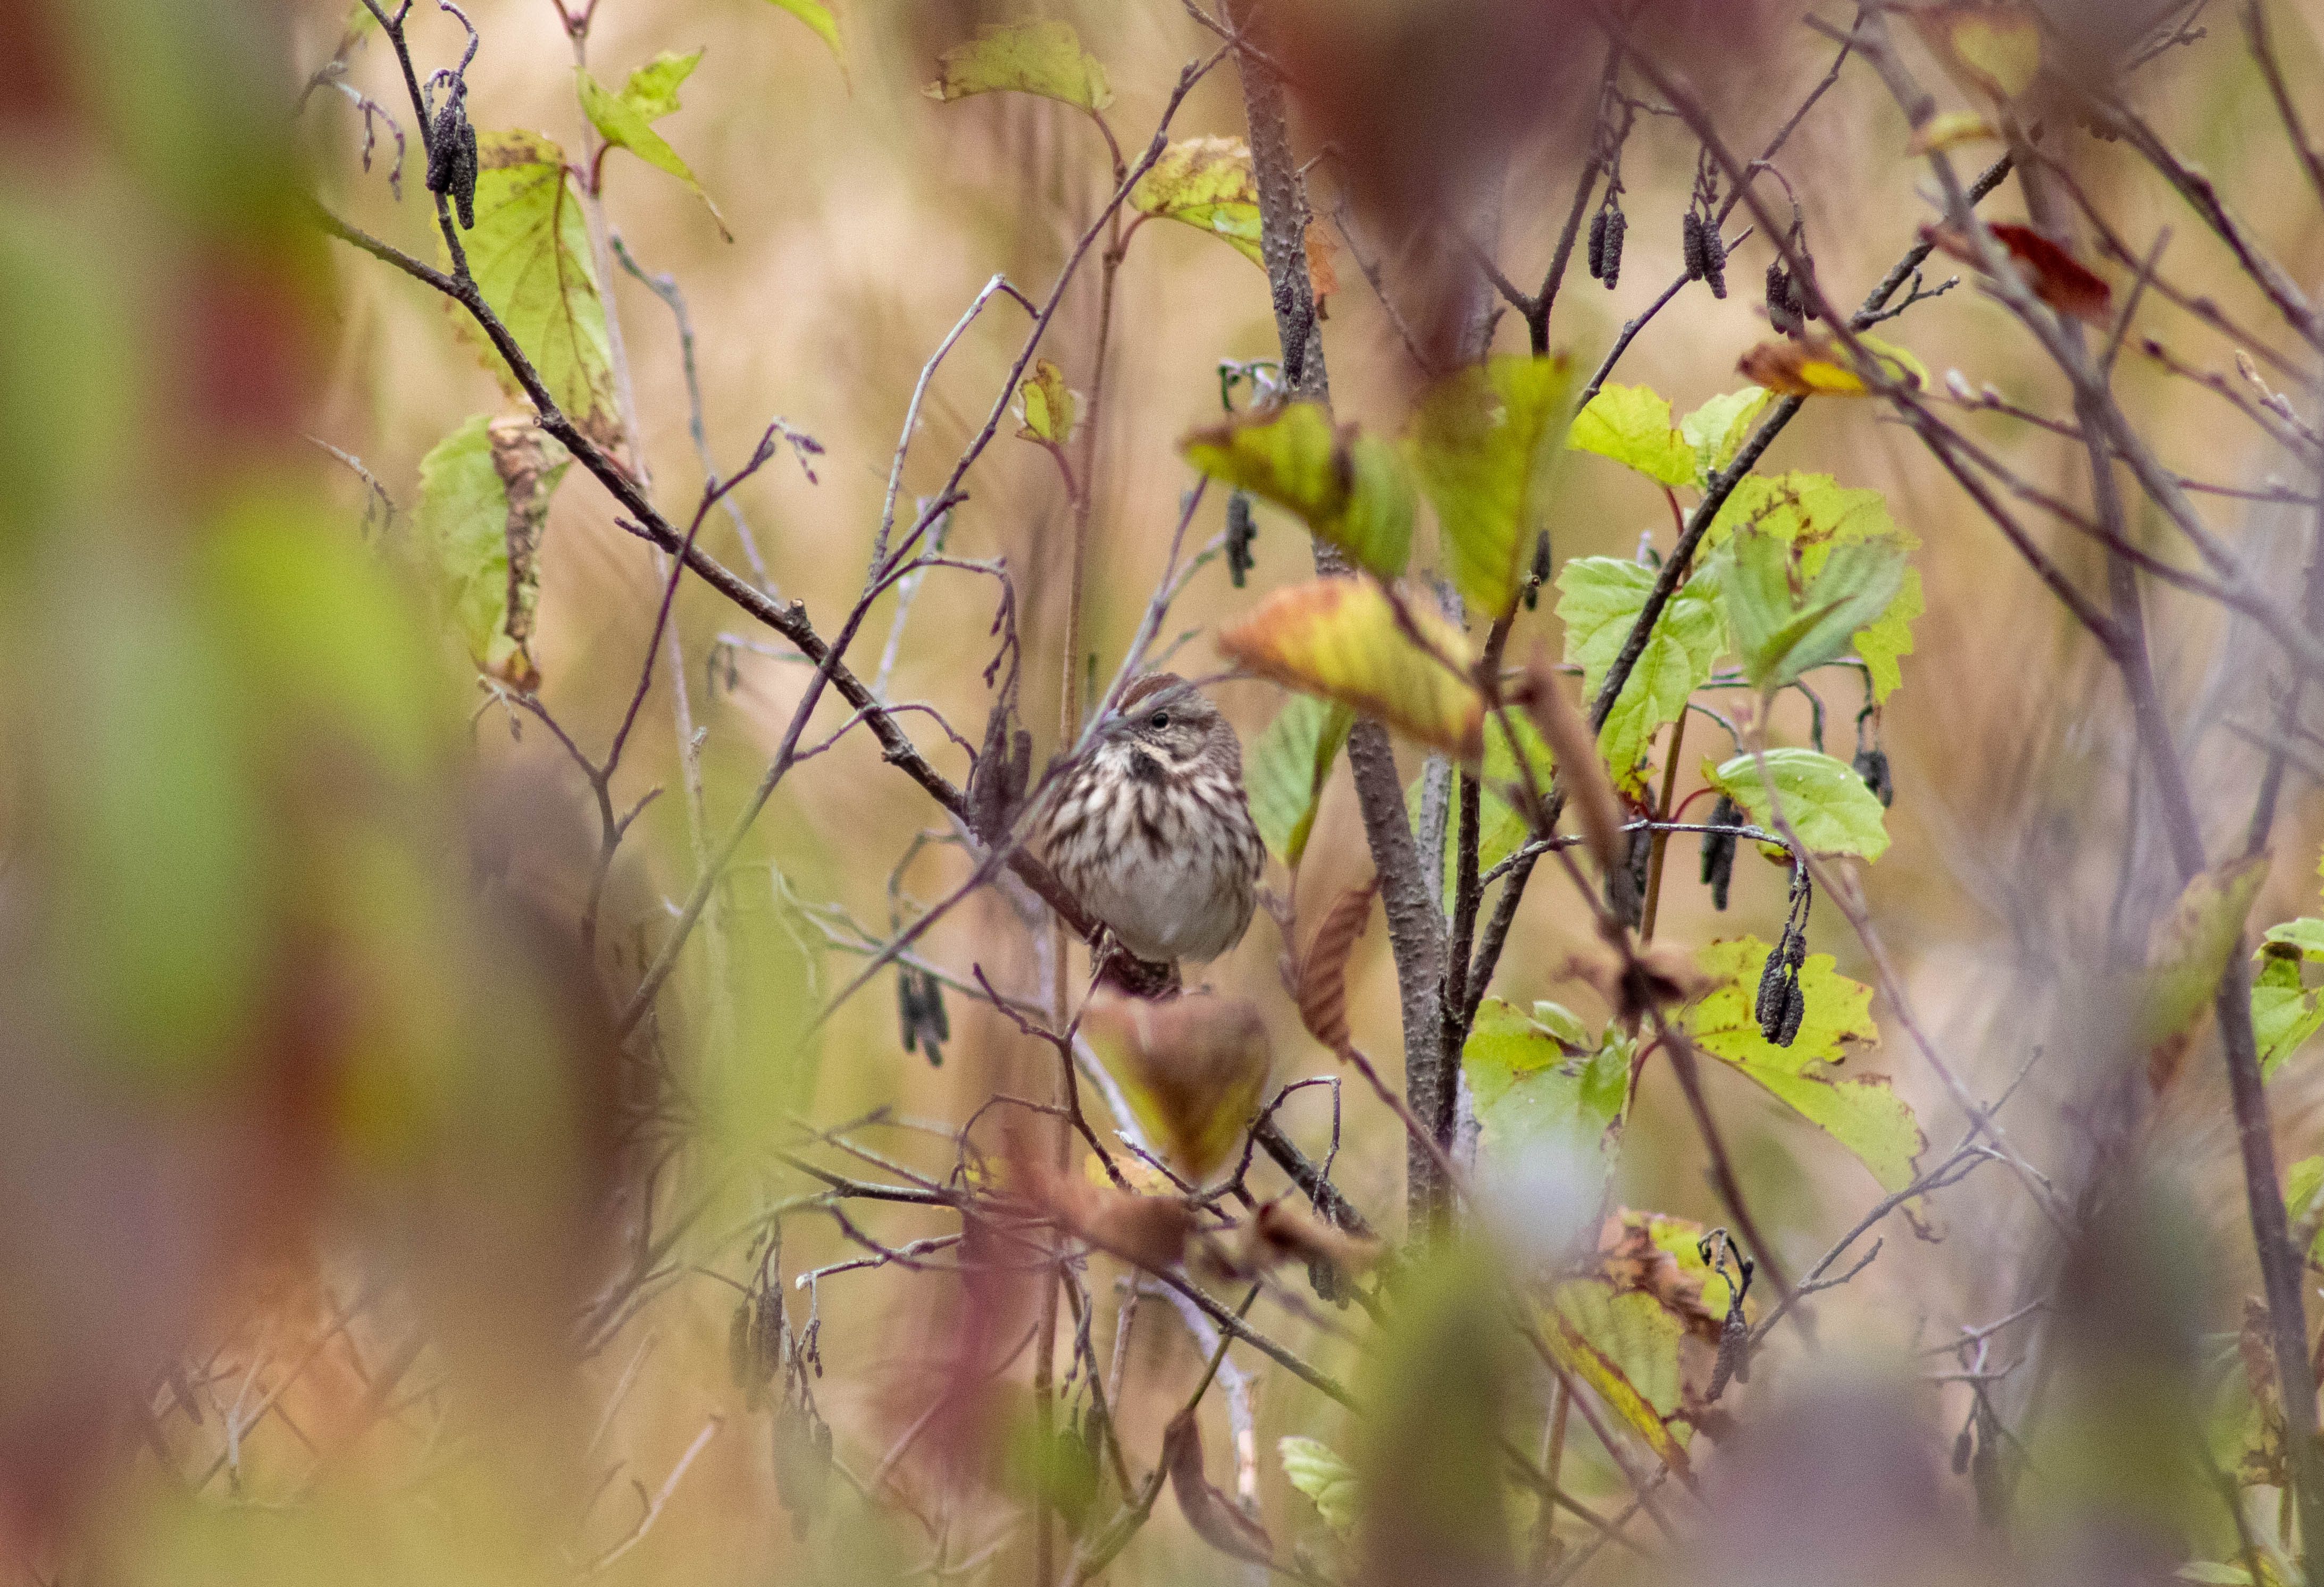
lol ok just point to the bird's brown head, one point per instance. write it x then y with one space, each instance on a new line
1165 716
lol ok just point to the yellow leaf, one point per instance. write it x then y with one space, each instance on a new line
1594 1367
2188 949
1949 130
1044 58
1817 366
1047 407
1193 1069
1995 50
1207 183
1340 638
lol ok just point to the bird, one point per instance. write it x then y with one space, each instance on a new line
1150 828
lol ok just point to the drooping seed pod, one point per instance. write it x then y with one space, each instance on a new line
1783 308
1772 1006
1692 248
1872 766
1241 530
1714 258
1719 850
1598 246
1616 224
1796 1009
464 176
1538 575
1734 1345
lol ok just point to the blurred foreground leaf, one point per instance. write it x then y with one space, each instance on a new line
1289 765
818 19
1351 488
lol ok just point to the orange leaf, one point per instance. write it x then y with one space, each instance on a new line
1342 638
1321 276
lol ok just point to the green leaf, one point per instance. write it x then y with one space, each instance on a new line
1826 803
1046 408
529 253
1565 1025
1486 441
2284 1013
483 491
1816 515
1634 1331
818 19
1599 601
2301 1182
1044 58
1205 183
1534 1095
2304 936
1782 629
1717 430
652 88
1323 1476
621 124
1865 1116
1352 488
1632 426
1592 1363
1500 831
2187 948
1287 768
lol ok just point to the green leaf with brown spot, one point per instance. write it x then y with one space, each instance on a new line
1863 1113
1205 183
1044 58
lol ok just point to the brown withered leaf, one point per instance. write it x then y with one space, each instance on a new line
529 464
1214 1518
2055 276
1324 969
1193 1067
1579 768
1320 275
1629 1259
1149 1231
1284 1231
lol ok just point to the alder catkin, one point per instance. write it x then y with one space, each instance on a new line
1714 258
1241 530
1782 305
1616 224
1872 766
1598 246
1719 850
1691 249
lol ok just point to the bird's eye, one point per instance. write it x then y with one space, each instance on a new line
1160 719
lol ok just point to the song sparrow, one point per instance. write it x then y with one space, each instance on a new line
1152 831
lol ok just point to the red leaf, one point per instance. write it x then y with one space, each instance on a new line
2057 278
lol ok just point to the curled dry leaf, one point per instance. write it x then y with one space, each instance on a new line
1321 276
1213 1515
1324 969
1148 1230
2055 276
1578 765
1287 1232
1818 366
1193 1067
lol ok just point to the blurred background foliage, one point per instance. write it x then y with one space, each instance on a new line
322 1170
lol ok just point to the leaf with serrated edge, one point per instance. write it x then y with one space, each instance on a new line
652 88
1287 768
1816 513
1865 1116
1486 442
1632 426
1207 184
2285 1013
1718 429
1599 601
1339 637
1314 1469
1826 803
1351 488
1044 58
529 254
1781 634
621 124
